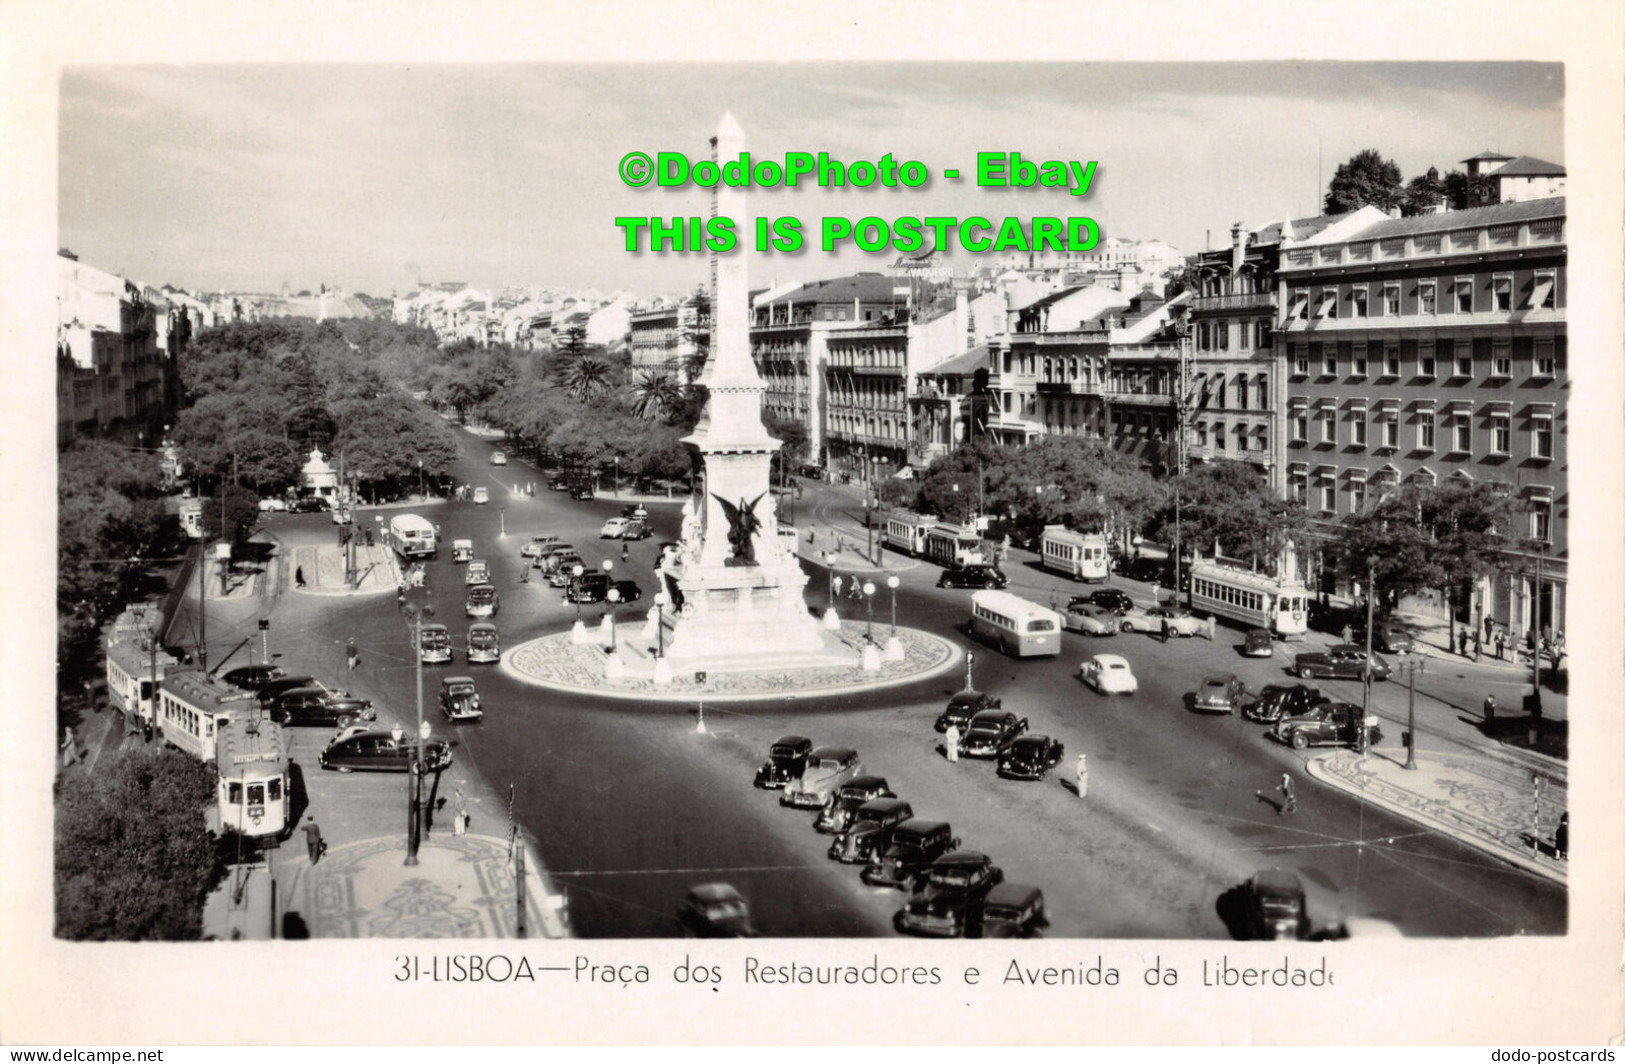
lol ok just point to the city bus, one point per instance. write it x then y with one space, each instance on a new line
1252 599
193 706
906 532
1080 555
1017 627
251 768
955 546
412 536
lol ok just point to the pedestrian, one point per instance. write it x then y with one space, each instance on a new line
299 576
1478 646
524 574
1489 710
624 552
314 843
1560 842
950 744
1500 644
1289 795
1461 642
1081 775
835 583
70 752
1165 629
855 588
351 655
1348 634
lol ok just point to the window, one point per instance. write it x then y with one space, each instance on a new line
1300 425
1544 292
1500 434
1262 395
1463 360
1218 435
1390 300
1357 302
1426 364
1427 296
1464 295
1424 430
1390 433
1545 361
1358 429
1222 402
1328 426
1359 358
1501 292
1244 336
1328 303
1261 335
1540 436
1201 336
1328 360
1501 360
1299 487
1328 497
1300 307
1390 359
1356 496
1201 434
1221 335
1462 431
1300 360
1241 392
1540 521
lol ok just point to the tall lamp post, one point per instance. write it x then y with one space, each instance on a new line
1411 667
869 600
420 476
502 521
1537 631
892 582
1370 607
414 789
613 597
660 624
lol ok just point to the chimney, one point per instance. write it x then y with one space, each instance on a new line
1238 247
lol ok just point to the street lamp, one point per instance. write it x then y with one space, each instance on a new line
892 582
414 784
869 601
502 521
613 596
660 622
576 572
1412 667
617 476
420 476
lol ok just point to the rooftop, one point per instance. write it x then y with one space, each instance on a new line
960 365
1498 214
1529 166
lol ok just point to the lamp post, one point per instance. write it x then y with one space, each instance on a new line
414 788
1370 607
660 623
892 582
1412 667
576 572
1538 632
420 476
613 597
502 521
617 476
869 600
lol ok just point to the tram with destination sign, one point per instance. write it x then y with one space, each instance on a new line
251 762
1252 599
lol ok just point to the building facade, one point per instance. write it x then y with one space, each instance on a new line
118 354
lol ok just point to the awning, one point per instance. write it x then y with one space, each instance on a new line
1297 400
1328 300
1459 406
1425 406
1499 406
1539 492
1358 406
1538 296
1357 475
1325 470
1327 402
1542 410
1388 409
1297 469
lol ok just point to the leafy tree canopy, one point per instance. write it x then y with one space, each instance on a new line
1365 178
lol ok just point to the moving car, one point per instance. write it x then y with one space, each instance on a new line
963 706
1180 622
1259 644
482 496
1110 598
637 528
381 751
870 830
482 601
559 484
785 760
591 586
342 515
628 590
1342 662
989 731
319 707
582 493
1276 906
537 544
951 902
1221 692
499 458
460 699
614 528
1109 674
909 853
827 768
836 815
269 689
462 550
1029 757
715 910
484 646
477 573
253 677
1282 700
974 576
1329 723
1089 619
309 504
1013 910
436 647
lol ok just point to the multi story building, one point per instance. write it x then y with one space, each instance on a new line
118 351
671 339
1435 347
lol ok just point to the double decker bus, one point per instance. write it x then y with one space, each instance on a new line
193 706
906 532
252 778
955 546
1252 599
1017 627
1080 555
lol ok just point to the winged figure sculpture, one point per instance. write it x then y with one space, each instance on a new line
743 524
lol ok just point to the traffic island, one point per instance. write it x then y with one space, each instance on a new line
323 566
1489 804
629 671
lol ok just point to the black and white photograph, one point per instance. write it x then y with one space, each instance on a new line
517 516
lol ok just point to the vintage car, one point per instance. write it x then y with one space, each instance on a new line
1089 619
1109 598
436 646
837 813
477 573
908 854
1012 910
273 504
462 551
484 645
1220 692
460 699
975 576
785 760
950 904
582 492
482 601
482 496
1390 637
625 591
537 544
1282 700
499 458
253 677
614 528
963 706
559 557
715 910
637 528
319 707
1180 622
827 768
1329 723
382 751
1029 757
1258 644
559 484
591 586
989 731
1276 906
1342 662
269 689
1109 674
870 830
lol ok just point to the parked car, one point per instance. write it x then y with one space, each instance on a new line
951 901
614 528
1089 619
484 646
909 853
1390 637
827 768
1109 674
628 590
1259 644
483 601
462 551
460 699
1180 622
253 677
380 751
499 458
274 504
477 573
534 548
482 496
715 910
870 830
1012 910
1222 692
963 706
975 576
1342 662
1276 906
785 760
836 815
1155 571
1329 723
582 493
591 586
309 504
559 484
1282 700
1111 598
1029 757
320 707
270 689
989 732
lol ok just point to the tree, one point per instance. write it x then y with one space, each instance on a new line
232 513
1227 506
1365 178
134 858
793 435
1465 193
1423 192
655 395
110 513
588 378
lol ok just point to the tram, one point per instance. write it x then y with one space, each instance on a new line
1080 555
906 532
135 666
1253 599
193 706
955 546
252 770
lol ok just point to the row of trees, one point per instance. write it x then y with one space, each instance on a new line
1368 178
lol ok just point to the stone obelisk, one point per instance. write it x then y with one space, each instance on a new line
736 586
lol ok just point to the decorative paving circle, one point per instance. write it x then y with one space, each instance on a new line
556 662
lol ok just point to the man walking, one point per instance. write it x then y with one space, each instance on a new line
299 576
624 554
1289 795
314 843
951 744
351 654
1082 775
1165 629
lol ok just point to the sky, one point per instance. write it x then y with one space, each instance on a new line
373 177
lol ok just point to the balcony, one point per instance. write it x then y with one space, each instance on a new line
1069 388
1238 301
1139 398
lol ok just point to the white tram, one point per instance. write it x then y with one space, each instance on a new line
906 532
252 768
1253 599
133 664
1080 555
193 707
955 546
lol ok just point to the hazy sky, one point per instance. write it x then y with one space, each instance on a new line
373 176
